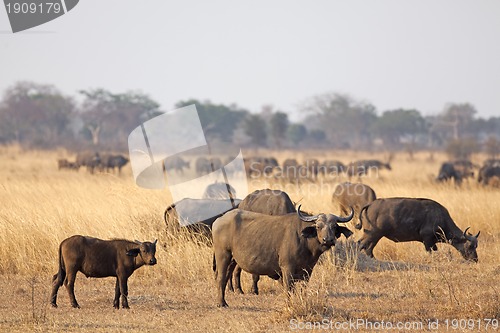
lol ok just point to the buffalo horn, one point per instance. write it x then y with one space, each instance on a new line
138 242
477 234
468 237
306 218
347 218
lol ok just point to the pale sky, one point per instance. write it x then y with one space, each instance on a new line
412 54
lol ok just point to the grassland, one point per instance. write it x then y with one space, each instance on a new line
41 206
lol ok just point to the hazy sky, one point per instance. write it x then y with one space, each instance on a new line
410 54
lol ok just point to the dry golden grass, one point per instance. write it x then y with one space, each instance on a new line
41 206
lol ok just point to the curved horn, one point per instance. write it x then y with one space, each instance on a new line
306 218
465 231
346 218
477 234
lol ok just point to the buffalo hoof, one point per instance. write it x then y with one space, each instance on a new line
76 306
54 305
116 307
239 291
254 292
126 307
223 305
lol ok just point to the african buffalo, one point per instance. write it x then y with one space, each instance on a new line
355 196
286 246
197 215
65 164
413 219
269 202
177 164
332 168
447 172
488 172
91 160
362 167
260 166
312 168
100 258
219 190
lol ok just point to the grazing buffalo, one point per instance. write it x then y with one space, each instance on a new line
197 215
88 159
409 219
176 163
312 168
291 168
488 172
219 190
269 202
447 172
65 164
100 258
286 246
362 167
260 166
355 196
332 168
492 162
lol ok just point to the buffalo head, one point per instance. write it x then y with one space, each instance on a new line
325 227
146 250
468 245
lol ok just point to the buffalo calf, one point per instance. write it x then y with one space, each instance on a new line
100 258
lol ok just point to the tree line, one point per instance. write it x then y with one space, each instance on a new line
40 116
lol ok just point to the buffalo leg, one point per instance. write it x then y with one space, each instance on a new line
57 281
69 282
124 292
237 279
223 262
116 302
255 286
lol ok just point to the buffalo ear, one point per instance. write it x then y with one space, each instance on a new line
342 230
133 252
309 232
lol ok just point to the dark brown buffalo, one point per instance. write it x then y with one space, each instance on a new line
487 172
197 215
110 162
286 246
355 196
270 202
363 167
91 160
260 166
332 168
177 164
65 164
100 258
447 172
413 219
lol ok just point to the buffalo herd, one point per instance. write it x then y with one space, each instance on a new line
95 161
265 233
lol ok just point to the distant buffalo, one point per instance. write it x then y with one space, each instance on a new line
487 173
65 164
408 219
332 168
91 160
100 258
363 167
176 163
110 162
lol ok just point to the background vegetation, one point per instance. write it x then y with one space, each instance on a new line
40 116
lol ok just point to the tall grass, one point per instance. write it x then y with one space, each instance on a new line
41 206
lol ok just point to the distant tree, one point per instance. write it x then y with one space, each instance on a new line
492 147
344 120
255 128
458 116
217 120
394 125
462 148
35 115
111 117
279 126
317 135
296 133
